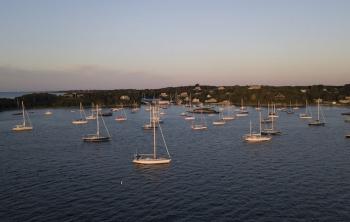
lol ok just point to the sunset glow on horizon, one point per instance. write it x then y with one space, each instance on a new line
62 45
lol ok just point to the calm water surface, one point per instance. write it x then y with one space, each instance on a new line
49 174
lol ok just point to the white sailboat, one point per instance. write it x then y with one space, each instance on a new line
48 113
256 137
152 116
307 114
318 121
26 125
296 107
200 126
242 111
229 113
152 159
258 108
122 116
221 120
290 110
272 130
189 115
97 137
82 119
92 116
273 113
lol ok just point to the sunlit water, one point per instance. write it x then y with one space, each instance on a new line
49 174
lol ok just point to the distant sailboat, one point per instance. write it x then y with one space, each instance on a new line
220 121
122 116
152 116
307 114
242 111
290 110
92 116
48 113
97 137
200 126
272 130
228 115
26 125
188 115
151 159
258 108
296 105
82 119
318 121
256 137
273 113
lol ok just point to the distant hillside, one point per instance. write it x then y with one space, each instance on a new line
251 95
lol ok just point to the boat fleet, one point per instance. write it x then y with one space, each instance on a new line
267 125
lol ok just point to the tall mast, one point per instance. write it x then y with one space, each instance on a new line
24 119
318 109
250 127
260 121
154 134
97 123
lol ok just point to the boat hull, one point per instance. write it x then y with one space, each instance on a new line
79 122
96 139
219 123
151 161
22 128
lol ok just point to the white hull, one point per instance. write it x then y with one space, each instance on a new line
228 118
241 114
199 127
91 117
120 119
256 138
219 123
79 122
189 118
151 161
22 128
305 117
48 113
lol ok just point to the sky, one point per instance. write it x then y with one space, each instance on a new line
102 44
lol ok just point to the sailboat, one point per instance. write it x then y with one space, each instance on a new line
189 116
273 113
200 126
296 105
230 115
221 120
82 119
135 108
318 122
258 108
122 116
92 116
290 110
48 113
151 159
26 125
97 137
272 130
242 111
152 116
307 114
268 119
256 137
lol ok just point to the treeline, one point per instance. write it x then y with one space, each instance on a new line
234 94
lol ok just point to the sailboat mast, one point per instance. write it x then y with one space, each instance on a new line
318 109
154 134
97 123
24 118
260 121
250 127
